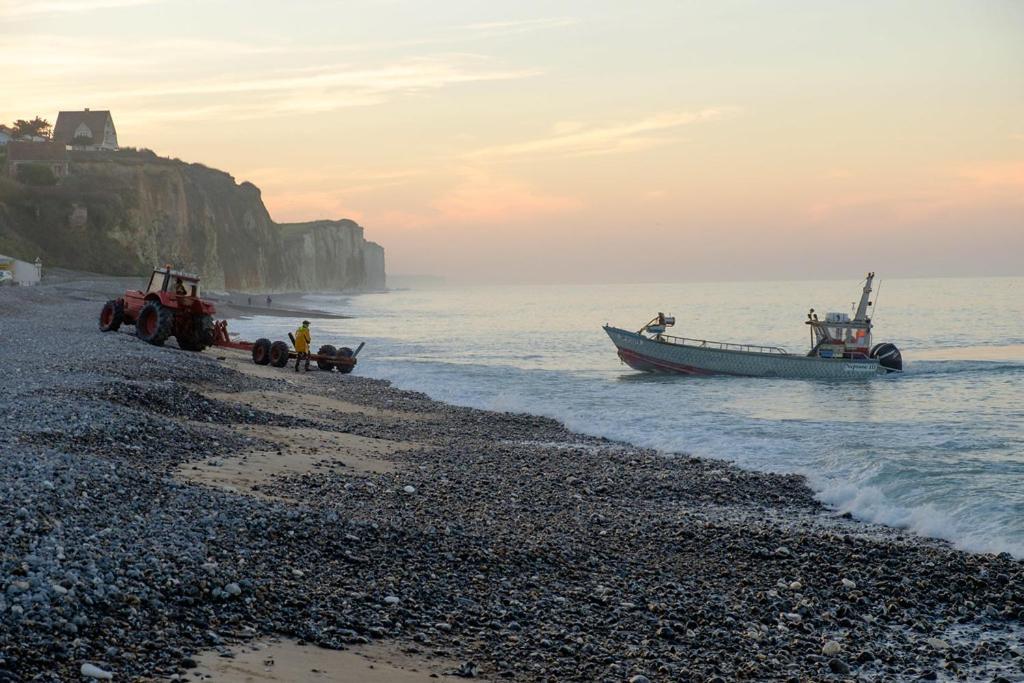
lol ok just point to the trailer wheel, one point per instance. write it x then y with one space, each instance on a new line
279 354
261 352
344 352
328 351
154 324
112 315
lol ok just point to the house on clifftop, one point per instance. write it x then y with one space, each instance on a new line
87 130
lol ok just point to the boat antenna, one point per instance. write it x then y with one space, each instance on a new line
874 304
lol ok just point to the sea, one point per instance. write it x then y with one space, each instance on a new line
937 450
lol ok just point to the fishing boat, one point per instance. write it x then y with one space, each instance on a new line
840 349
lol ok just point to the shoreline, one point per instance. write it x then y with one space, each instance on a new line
529 550
228 310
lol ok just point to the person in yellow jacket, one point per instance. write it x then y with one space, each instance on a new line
302 342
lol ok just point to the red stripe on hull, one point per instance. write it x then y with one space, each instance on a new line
647 364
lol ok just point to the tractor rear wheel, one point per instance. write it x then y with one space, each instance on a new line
344 352
154 324
328 351
200 334
261 351
112 315
203 326
279 354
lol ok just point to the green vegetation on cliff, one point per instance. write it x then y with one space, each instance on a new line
34 223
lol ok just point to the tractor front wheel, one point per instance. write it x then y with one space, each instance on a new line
261 352
279 354
112 315
328 351
154 324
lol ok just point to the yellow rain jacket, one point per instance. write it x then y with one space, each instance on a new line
302 340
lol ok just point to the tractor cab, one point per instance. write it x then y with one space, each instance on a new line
173 281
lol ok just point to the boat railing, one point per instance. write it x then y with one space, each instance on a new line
725 346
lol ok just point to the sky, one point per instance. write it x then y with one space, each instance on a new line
590 141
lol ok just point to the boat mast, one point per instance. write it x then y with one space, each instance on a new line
862 307
861 316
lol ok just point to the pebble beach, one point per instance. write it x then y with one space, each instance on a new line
160 507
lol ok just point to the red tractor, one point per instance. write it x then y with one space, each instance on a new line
170 307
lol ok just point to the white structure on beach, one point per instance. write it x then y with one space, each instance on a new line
20 272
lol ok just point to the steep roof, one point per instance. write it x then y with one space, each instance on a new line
68 122
36 151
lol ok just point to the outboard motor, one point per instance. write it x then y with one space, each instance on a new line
889 357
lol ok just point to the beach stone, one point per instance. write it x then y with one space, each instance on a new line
838 666
94 672
392 600
831 648
937 643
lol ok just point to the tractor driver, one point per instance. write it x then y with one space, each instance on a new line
179 287
302 342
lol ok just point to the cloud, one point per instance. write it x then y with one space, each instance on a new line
964 189
492 28
13 10
995 176
571 140
408 75
481 198
242 88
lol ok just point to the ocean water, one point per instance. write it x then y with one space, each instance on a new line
938 450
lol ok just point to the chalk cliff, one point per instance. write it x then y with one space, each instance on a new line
124 212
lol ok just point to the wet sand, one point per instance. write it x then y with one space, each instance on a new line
226 309
285 661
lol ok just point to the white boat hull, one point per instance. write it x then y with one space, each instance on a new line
650 355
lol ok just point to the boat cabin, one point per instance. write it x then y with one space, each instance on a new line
839 336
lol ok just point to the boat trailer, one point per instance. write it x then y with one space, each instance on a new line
278 353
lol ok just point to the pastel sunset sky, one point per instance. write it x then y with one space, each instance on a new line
581 141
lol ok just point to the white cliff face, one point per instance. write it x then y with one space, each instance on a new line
373 256
123 213
331 255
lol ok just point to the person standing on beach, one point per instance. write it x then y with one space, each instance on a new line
302 342
269 300
250 301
